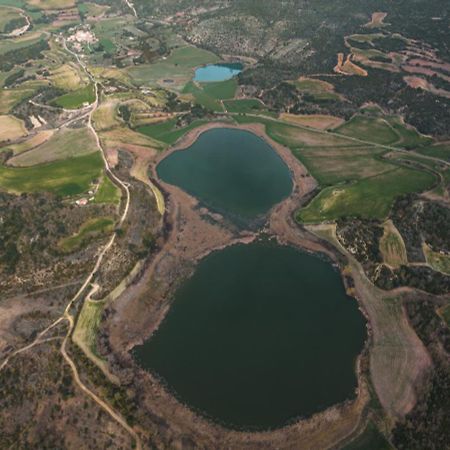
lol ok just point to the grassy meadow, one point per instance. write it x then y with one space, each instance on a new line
107 192
89 230
369 198
71 176
178 67
66 143
392 246
77 98
356 180
167 132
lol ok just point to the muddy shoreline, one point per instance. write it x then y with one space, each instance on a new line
193 232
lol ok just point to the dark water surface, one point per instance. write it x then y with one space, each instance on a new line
231 171
260 335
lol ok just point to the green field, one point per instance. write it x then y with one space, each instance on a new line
222 90
210 94
69 177
329 158
76 99
178 67
440 151
201 97
89 230
318 90
85 334
362 184
294 136
7 45
392 246
6 16
436 260
66 143
370 129
243 106
108 45
332 165
369 198
107 192
167 132
409 137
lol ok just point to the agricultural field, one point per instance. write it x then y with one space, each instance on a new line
107 192
11 128
410 138
167 132
87 327
369 129
21 42
89 230
369 198
295 136
317 121
51 4
210 95
66 143
331 165
440 151
76 99
123 137
91 9
392 246
31 143
319 90
11 97
175 71
244 106
105 116
7 15
68 77
71 176
438 261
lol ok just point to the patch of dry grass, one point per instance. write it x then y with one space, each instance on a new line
68 77
67 143
392 246
317 121
34 141
11 128
51 4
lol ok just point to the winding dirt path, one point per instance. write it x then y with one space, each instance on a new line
66 315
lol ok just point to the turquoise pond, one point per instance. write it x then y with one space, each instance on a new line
259 336
217 72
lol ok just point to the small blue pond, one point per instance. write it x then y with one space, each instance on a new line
217 72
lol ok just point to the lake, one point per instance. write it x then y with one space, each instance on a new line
259 336
217 72
231 171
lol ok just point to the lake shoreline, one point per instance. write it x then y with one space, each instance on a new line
141 309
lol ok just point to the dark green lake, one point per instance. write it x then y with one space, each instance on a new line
260 335
231 171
